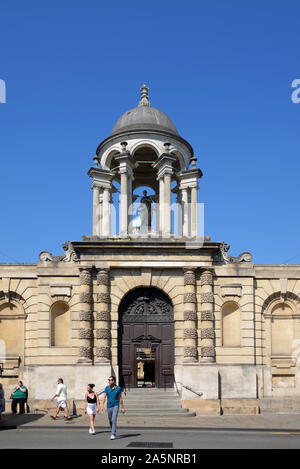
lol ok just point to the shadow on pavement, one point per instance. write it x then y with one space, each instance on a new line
12 421
128 435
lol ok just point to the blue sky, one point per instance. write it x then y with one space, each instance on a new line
221 70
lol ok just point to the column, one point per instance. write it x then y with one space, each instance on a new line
190 316
124 203
179 213
103 334
96 192
194 208
129 200
106 213
185 212
167 204
161 205
85 317
207 317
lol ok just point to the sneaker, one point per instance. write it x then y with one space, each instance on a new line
90 431
112 437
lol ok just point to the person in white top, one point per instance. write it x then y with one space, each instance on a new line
61 397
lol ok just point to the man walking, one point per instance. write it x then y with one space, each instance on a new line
114 398
61 397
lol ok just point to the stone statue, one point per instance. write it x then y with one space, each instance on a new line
146 211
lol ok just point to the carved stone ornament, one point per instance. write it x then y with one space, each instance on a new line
102 333
223 257
207 315
102 316
190 352
85 316
207 333
189 277
207 297
85 352
103 352
69 256
85 333
206 278
103 277
146 305
189 298
85 277
190 333
208 351
85 297
103 298
190 315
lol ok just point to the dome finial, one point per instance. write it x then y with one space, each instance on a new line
144 96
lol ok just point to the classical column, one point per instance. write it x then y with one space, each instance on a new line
185 211
106 224
167 204
85 317
102 341
194 218
207 317
190 316
96 191
161 204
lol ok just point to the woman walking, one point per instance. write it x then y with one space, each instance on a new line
91 406
114 398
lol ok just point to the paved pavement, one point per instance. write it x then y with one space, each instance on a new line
274 422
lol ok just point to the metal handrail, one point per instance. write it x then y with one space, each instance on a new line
192 390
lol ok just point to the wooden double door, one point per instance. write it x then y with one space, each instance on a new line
146 339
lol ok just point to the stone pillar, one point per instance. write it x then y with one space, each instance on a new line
161 205
85 316
124 204
207 318
190 316
103 333
185 212
106 213
194 218
96 191
167 204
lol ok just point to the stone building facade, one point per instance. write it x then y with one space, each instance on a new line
154 303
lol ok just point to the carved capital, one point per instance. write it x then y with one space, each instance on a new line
190 298
207 297
190 333
189 277
103 277
190 315
102 333
85 277
207 333
208 351
206 278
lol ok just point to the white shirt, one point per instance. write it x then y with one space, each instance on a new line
61 392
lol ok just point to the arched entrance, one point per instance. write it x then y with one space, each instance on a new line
146 339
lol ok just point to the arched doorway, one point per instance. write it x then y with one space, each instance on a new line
146 339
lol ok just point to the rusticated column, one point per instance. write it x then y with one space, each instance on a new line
190 316
85 316
207 318
102 318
